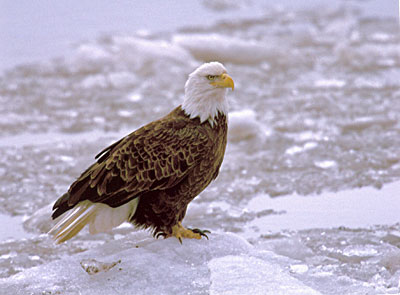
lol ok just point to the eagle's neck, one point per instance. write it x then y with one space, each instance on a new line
205 104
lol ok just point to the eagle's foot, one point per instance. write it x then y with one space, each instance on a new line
202 233
179 232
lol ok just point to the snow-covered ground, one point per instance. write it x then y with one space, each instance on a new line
226 264
307 200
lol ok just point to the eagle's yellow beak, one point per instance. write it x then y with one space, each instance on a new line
224 81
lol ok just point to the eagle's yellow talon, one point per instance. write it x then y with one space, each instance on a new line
179 232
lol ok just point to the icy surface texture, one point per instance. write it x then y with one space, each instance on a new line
225 264
343 260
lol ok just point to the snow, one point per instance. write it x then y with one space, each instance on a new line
243 125
149 51
330 83
250 275
223 48
325 164
137 264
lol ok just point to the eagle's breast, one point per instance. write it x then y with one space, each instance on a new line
210 162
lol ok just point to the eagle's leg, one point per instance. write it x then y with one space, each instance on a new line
179 232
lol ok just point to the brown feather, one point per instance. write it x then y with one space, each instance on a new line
155 157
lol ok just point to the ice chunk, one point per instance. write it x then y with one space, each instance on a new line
251 275
40 221
327 83
98 80
90 57
360 251
125 113
142 51
362 123
298 149
135 97
224 49
137 264
91 52
122 79
325 164
298 268
243 125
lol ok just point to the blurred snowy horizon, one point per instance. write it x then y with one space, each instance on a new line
40 30
312 170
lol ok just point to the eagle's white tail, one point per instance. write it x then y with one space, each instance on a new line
100 217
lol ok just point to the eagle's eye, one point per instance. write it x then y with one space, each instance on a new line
211 77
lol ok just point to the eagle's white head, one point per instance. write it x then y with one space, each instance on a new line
205 92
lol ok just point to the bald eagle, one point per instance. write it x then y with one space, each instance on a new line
149 177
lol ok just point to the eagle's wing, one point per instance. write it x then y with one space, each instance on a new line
154 157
